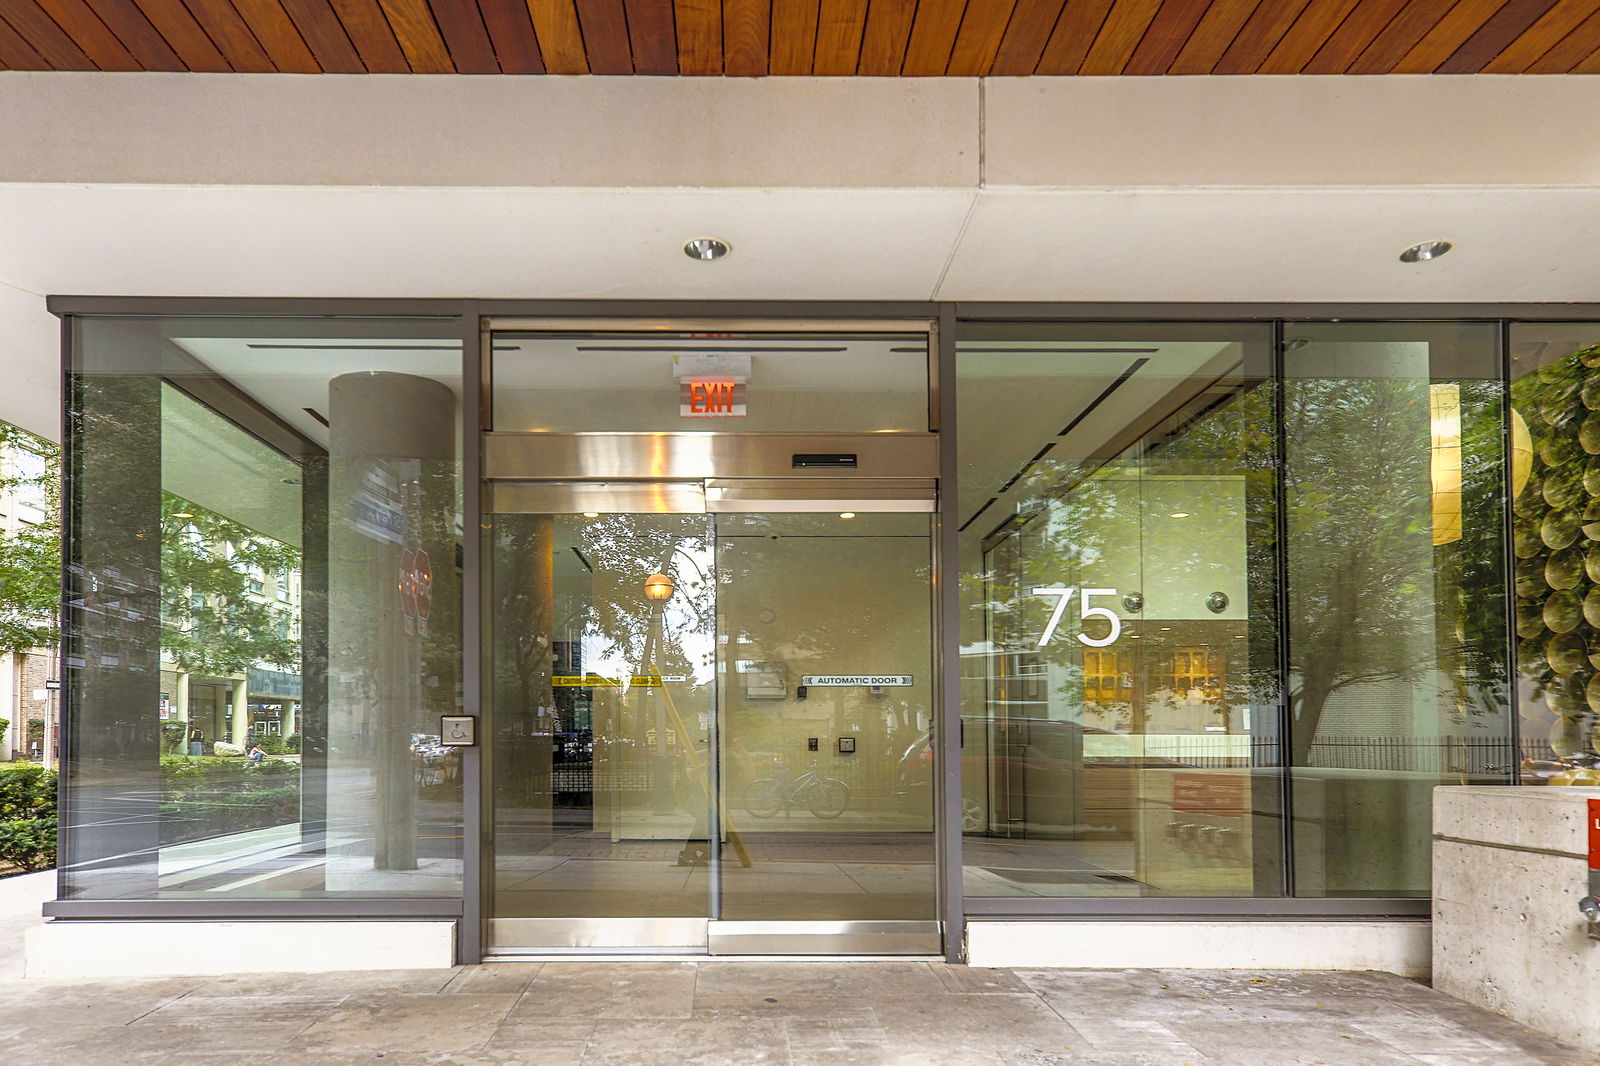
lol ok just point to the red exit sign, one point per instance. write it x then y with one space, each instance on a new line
711 398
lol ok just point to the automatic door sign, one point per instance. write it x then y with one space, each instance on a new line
856 680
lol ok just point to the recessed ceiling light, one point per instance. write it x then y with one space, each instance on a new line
1421 253
1179 514
706 248
181 514
847 514
591 514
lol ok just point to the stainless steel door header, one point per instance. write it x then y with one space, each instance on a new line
788 495
697 456
603 497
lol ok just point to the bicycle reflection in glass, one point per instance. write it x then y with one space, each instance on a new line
825 797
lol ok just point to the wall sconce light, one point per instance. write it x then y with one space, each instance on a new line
659 587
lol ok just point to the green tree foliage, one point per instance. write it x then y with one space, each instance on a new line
210 622
30 557
27 818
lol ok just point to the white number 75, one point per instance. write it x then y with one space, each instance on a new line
1086 611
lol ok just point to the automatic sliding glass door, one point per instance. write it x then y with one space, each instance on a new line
719 719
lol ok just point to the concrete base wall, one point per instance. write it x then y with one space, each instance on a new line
1509 866
151 949
1395 946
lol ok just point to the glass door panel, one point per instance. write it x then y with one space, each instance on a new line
823 631
603 687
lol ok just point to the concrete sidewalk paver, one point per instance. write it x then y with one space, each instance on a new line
723 1013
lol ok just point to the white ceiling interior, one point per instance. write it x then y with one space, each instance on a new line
1290 189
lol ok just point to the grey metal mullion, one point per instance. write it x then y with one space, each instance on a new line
947 823
1507 556
476 882
1280 522
66 726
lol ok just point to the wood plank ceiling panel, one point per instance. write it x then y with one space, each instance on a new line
465 36
1165 38
1447 35
828 38
93 36
18 54
1402 34
232 37
604 25
1543 35
40 31
324 34
1213 36
1357 31
418 35
978 40
1567 53
1316 24
1259 36
1024 39
1075 31
841 24
369 31
933 38
1494 36
699 36
794 36
276 33
883 43
653 35
1590 65
555 23
124 19
180 30
745 27
1119 36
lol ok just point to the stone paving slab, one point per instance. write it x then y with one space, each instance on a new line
720 1013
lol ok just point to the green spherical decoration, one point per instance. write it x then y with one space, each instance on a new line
1564 569
1563 611
1567 653
1563 488
1560 529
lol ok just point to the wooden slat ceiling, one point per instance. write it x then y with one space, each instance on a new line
753 38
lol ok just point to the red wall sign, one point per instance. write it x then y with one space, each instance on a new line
1594 834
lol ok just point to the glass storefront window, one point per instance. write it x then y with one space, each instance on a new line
263 621
1394 564
1118 636
1555 492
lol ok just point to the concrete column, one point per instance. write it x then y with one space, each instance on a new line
180 703
9 706
219 717
289 708
241 713
392 493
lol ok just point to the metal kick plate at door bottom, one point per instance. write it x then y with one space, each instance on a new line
824 938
